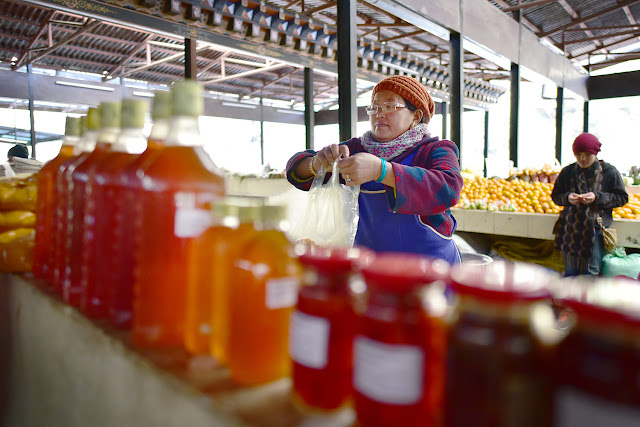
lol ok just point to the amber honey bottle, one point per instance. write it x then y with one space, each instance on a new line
262 294
109 129
128 221
101 214
43 251
225 249
177 192
63 212
200 283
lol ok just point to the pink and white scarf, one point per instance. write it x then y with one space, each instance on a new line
390 149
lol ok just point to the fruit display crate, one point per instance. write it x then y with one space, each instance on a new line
533 225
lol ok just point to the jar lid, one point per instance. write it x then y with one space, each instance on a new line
502 281
161 109
93 118
133 113
332 260
73 126
602 300
403 272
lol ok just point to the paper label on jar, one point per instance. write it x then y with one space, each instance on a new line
576 408
309 340
388 373
281 293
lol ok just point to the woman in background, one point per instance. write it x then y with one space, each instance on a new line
588 189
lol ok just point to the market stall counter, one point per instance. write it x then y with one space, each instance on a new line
59 368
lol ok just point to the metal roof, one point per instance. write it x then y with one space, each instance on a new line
597 32
68 38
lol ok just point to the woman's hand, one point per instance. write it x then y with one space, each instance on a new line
574 198
326 156
360 168
588 198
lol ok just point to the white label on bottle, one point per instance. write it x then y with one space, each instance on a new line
388 373
575 408
309 340
281 293
191 222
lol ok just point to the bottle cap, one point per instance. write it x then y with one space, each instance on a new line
273 212
83 125
161 105
133 113
72 127
187 98
109 115
248 214
224 208
93 118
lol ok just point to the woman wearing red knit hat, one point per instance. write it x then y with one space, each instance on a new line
408 179
588 189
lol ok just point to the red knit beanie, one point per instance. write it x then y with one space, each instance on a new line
410 89
586 143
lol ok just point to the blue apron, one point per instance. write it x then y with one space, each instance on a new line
382 230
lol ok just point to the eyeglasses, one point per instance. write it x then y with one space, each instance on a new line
387 107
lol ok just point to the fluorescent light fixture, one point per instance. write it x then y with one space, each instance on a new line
85 86
295 112
235 104
486 53
143 94
411 16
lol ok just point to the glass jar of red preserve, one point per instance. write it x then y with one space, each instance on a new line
399 347
598 363
323 326
499 346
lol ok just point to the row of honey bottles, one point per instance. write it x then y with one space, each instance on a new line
409 341
118 214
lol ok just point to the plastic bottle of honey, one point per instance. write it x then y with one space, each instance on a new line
225 247
399 348
177 192
323 326
128 222
109 129
497 360
43 251
198 327
64 213
262 293
101 214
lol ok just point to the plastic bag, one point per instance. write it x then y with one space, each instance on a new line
332 214
619 263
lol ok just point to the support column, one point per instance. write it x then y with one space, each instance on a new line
309 113
261 132
585 122
190 62
346 26
515 112
559 114
32 107
456 86
486 141
445 119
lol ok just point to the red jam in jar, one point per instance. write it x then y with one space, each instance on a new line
497 367
399 347
598 363
323 326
